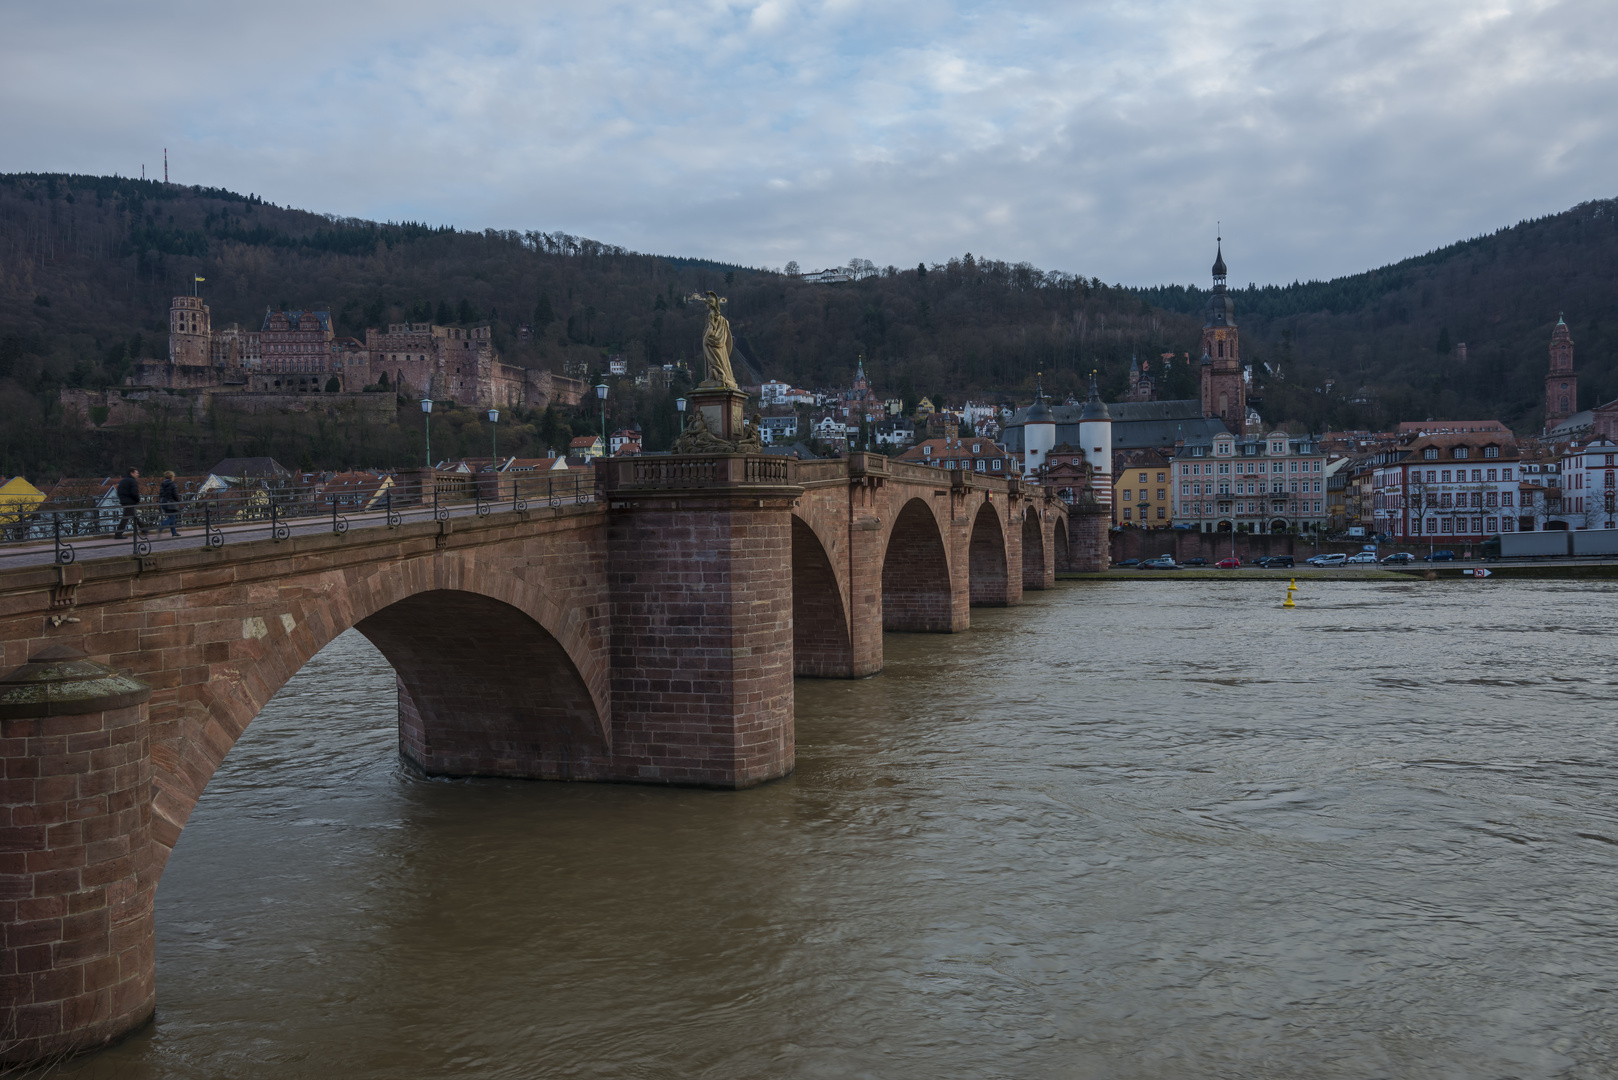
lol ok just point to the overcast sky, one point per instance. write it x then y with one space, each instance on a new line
1102 139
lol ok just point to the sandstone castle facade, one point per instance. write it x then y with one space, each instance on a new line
297 352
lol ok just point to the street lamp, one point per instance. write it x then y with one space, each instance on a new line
427 419
601 392
494 418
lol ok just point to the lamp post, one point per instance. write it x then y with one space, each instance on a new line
427 420
601 392
679 404
494 456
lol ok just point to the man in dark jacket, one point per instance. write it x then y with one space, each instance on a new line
168 500
129 499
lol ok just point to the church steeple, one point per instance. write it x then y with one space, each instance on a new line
1224 391
1561 384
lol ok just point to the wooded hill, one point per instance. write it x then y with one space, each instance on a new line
88 264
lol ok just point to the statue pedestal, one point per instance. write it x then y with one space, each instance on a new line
721 409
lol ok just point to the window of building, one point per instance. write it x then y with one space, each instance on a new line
983 466
1460 453
1160 493
1126 509
1197 451
1506 498
926 451
996 465
1160 513
1127 492
1446 476
1492 475
1143 478
1505 474
1431 453
1159 478
976 448
1491 452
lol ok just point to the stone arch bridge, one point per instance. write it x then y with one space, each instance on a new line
649 636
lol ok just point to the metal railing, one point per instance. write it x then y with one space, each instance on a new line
275 512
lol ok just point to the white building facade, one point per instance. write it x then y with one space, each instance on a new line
1452 488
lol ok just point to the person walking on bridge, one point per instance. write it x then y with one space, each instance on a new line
168 500
129 499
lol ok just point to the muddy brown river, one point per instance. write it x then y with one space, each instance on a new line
1139 829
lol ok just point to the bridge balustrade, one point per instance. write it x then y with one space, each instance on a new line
273 510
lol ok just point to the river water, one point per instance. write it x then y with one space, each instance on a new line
1137 829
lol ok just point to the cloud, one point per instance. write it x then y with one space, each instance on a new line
1102 139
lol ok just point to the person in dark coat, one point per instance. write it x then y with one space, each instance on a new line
129 499
168 500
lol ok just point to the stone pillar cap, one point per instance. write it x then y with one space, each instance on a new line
59 680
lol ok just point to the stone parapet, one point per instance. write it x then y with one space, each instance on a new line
77 967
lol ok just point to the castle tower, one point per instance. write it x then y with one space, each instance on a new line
189 335
1224 392
1561 385
1039 432
1095 437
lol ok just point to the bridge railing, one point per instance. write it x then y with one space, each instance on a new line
275 509
698 471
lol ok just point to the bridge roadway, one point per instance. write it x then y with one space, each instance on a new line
650 635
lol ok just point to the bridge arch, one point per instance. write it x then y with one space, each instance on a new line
465 708
986 559
821 642
916 587
1033 549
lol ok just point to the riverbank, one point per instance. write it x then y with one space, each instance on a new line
1603 571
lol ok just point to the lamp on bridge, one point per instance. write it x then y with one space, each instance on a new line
427 419
601 392
494 457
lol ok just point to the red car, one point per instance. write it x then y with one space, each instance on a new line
1228 564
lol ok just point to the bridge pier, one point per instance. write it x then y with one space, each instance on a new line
700 577
78 967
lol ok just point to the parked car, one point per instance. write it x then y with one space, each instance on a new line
1398 557
1270 562
1441 555
1231 563
1334 558
1362 558
1126 563
1196 560
1162 562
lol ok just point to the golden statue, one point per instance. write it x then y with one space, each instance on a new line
716 344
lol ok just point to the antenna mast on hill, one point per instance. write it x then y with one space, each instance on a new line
165 164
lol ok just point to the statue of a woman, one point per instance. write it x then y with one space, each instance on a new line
716 344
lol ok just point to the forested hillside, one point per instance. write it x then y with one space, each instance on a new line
88 264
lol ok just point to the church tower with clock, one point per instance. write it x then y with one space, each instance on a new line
1224 391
